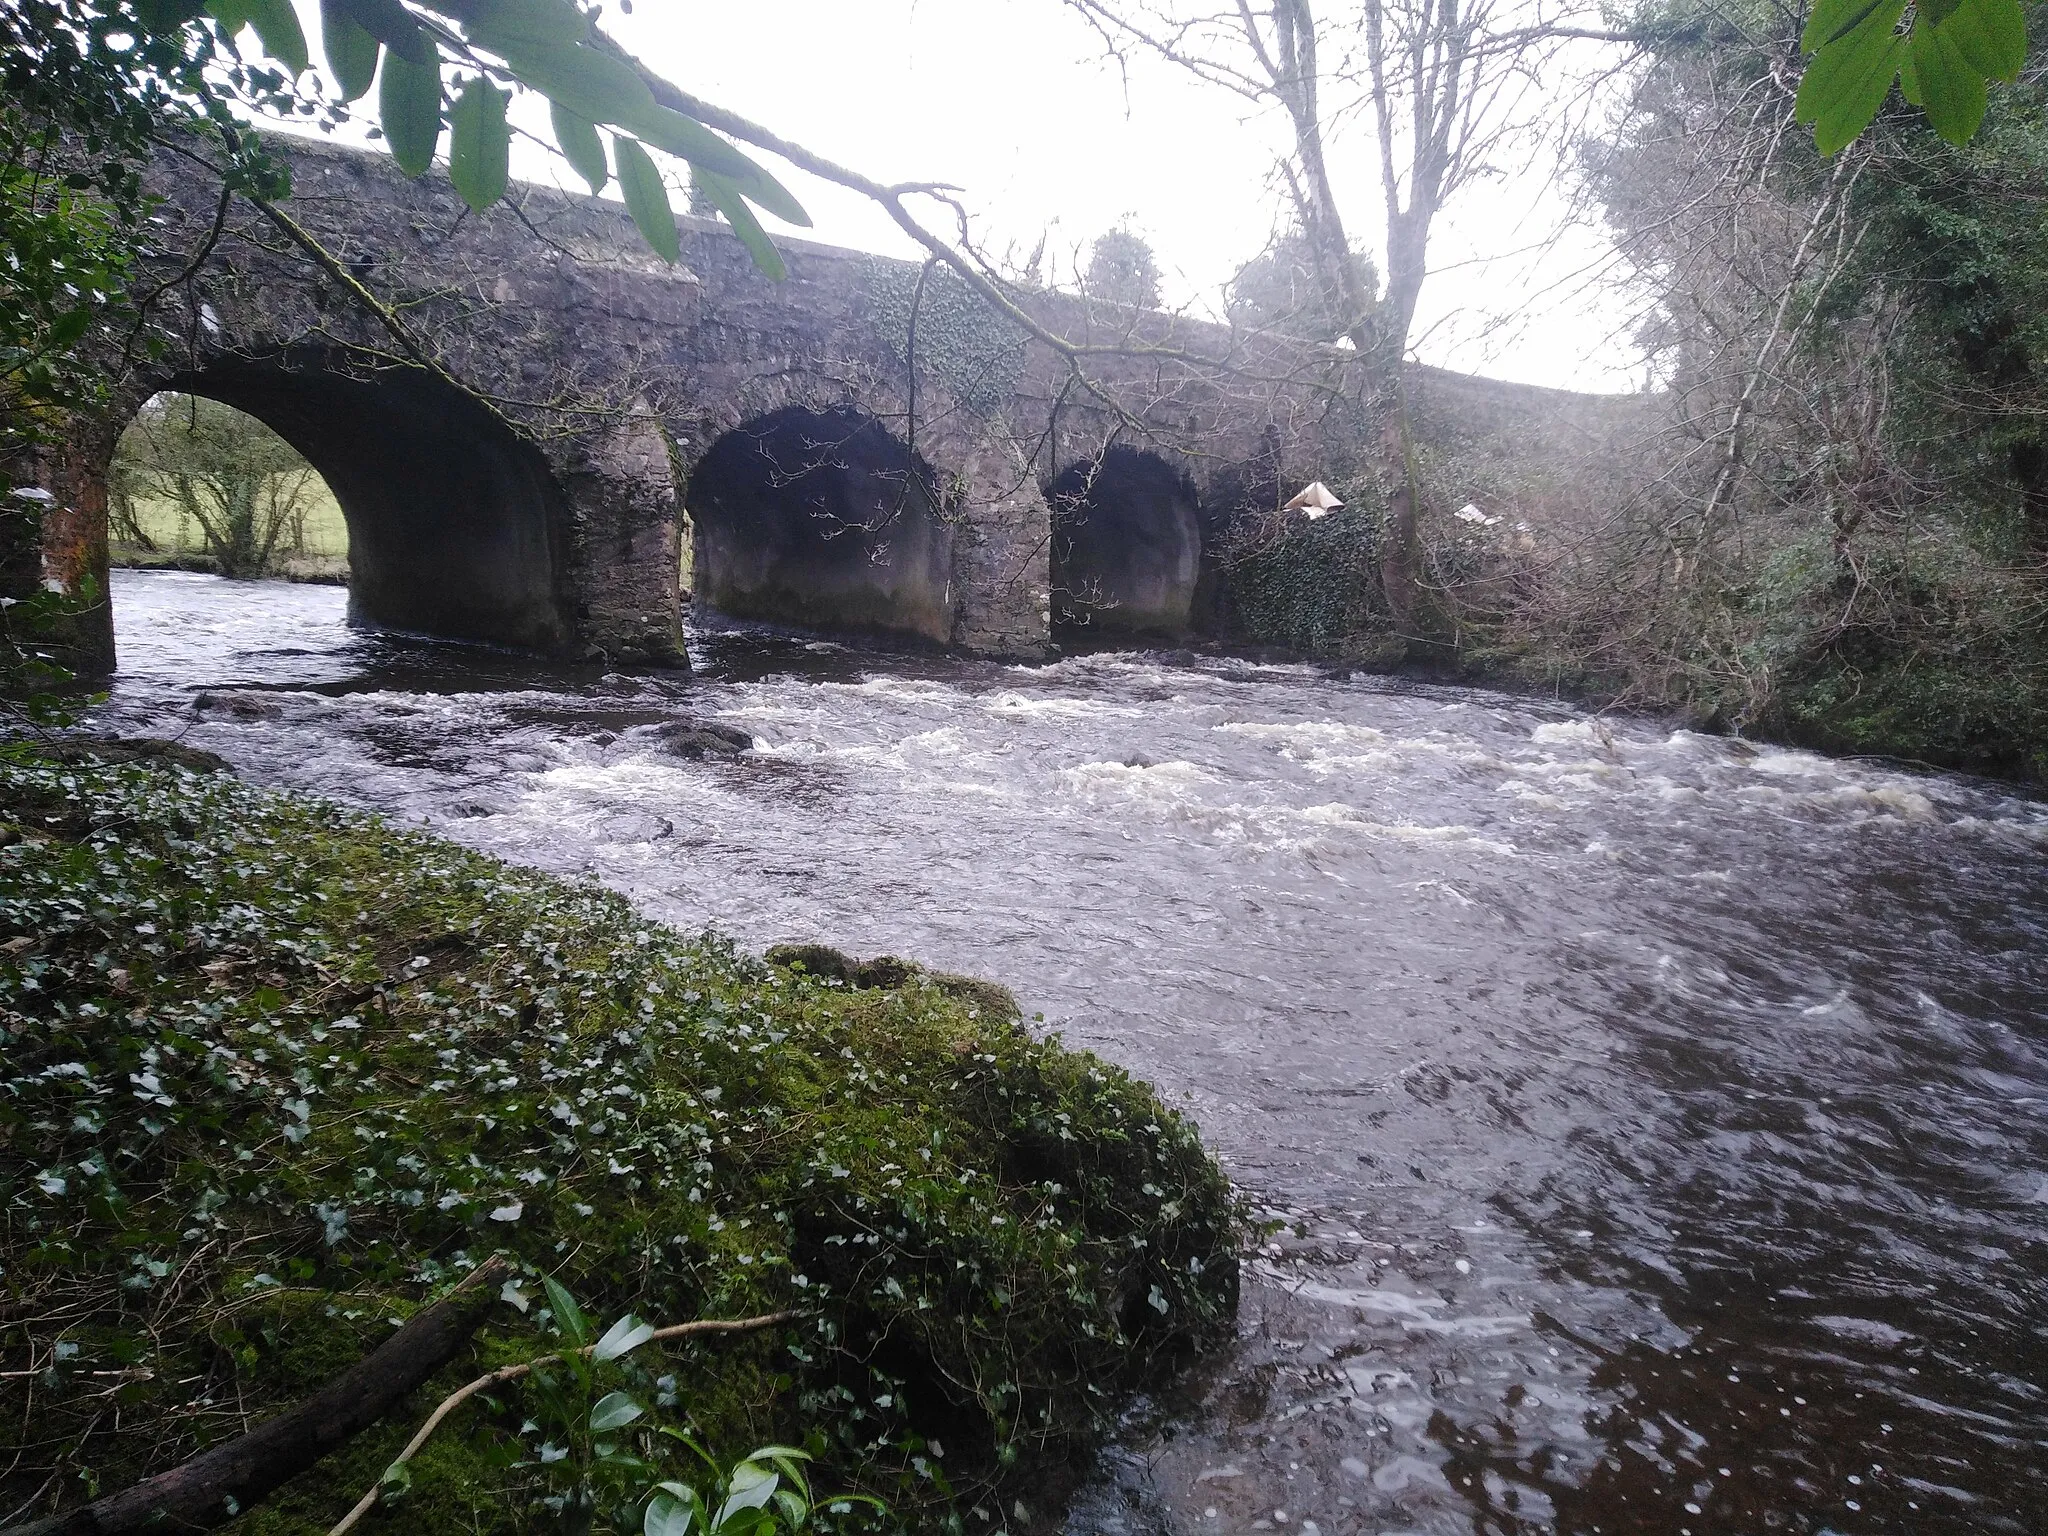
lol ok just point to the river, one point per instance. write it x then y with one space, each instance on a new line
1653 1127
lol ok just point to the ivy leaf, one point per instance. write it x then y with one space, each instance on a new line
726 198
70 326
351 51
581 146
479 144
276 24
647 199
409 107
392 25
614 1410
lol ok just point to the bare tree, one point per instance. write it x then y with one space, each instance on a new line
1448 90
244 488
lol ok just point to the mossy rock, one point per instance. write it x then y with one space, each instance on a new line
272 1074
824 963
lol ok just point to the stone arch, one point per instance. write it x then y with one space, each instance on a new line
820 516
457 525
1126 546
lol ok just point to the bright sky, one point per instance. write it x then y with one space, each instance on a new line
1013 101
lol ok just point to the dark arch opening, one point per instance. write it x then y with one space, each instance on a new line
821 519
1126 547
453 521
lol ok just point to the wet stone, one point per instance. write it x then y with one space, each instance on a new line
701 738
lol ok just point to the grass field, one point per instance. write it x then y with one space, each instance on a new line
171 529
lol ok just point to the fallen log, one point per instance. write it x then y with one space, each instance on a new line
216 1485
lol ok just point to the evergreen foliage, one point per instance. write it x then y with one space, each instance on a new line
1122 270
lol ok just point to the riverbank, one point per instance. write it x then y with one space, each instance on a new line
1948 675
323 569
276 1072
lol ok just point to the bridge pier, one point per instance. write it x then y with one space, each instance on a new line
619 486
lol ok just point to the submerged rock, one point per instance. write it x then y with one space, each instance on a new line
135 749
694 738
243 706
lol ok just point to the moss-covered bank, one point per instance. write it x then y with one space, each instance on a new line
272 1073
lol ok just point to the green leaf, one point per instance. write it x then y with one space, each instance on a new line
479 144
160 16
568 1316
409 107
69 326
590 84
1990 35
1833 20
683 1437
672 1511
622 1338
614 1410
494 24
690 140
601 88
1849 79
794 1510
1944 85
392 25
276 23
581 146
752 1486
351 51
647 199
726 198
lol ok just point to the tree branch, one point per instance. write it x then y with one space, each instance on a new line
215 1486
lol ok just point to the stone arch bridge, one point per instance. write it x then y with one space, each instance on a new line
546 421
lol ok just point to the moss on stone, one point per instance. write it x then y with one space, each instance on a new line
273 1073
823 963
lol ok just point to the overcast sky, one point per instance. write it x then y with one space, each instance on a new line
1012 101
